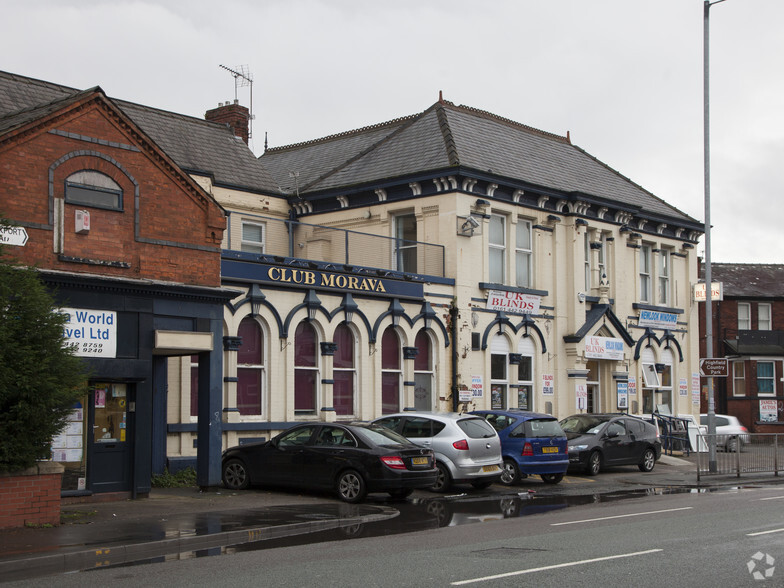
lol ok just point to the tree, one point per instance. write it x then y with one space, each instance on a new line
40 379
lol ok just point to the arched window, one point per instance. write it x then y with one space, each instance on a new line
391 372
525 374
92 188
250 368
423 372
667 377
306 370
343 371
499 372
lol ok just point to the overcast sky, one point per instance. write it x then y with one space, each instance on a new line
624 77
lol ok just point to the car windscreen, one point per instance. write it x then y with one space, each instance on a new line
582 424
543 428
378 435
476 428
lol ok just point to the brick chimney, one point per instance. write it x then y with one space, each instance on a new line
236 117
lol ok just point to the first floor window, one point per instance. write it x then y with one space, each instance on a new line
744 316
645 273
497 253
523 254
252 238
764 320
766 385
738 378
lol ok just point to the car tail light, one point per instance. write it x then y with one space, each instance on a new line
528 449
393 461
744 429
461 445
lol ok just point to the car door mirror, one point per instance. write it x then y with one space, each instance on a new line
611 434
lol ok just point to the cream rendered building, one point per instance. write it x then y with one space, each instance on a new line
449 260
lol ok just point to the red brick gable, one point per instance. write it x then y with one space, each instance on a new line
168 228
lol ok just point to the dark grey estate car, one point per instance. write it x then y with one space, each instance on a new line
599 440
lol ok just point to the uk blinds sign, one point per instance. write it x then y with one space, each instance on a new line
513 302
91 333
604 348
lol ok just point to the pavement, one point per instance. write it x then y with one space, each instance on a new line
173 521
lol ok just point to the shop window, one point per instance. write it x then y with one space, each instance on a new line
252 237
523 254
423 372
250 368
666 405
497 253
764 320
499 373
391 372
406 243
92 188
766 385
738 378
744 316
525 374
194 359
306 371
343 371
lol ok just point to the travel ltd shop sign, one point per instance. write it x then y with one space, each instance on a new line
297 277
513 302
91 333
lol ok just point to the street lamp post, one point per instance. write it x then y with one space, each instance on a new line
712 466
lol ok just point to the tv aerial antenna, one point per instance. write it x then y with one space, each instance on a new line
242 78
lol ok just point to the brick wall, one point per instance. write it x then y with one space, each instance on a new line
31 497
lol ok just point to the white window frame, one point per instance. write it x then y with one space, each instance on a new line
587 261
739 377
764 323
771 379
663 277
253 246
650 375
499 351
403 245
523 254
744 316
497 248
645 273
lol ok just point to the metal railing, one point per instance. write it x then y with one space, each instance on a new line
747 453
319 243
674 433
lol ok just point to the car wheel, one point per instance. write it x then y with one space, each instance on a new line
648 461
351 486
481 484
235 476
551 478
511 473
732 445
594 463
401 494
444 480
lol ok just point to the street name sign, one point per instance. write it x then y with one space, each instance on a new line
13 236
710 367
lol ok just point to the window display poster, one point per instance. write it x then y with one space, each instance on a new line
581 393
769 411
623 395
632 386
683 387
548 385
476 386
695 389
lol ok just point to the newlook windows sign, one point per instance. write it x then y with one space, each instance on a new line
91 333
513 302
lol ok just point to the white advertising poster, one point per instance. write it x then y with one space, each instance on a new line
581 393
695 389
548 384
91 333
623 395
769 411
476 387
683 387
513 302
604 348
632 386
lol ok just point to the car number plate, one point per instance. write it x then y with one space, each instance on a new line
549 450
419 460
492 468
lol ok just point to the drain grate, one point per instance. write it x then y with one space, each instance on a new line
505 552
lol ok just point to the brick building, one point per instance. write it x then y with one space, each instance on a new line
748 330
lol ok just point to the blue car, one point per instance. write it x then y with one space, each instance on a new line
532 443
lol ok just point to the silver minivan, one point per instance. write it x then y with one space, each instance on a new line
467 448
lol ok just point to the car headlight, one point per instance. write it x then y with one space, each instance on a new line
577 448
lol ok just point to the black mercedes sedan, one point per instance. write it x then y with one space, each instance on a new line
351 459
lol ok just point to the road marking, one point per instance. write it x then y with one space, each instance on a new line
636 514
578 480
765 532
773 498
556 566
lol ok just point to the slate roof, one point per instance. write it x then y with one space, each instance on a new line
748 280
196 145
448 136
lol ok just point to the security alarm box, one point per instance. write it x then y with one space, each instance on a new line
82 221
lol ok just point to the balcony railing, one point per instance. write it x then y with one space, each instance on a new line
286 238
